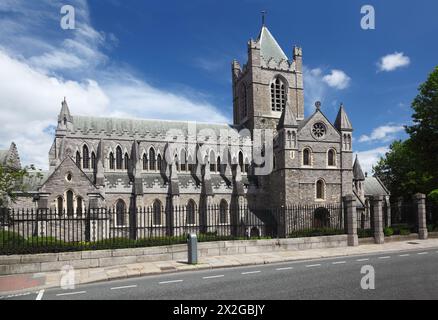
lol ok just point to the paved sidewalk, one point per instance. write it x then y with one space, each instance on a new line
16 284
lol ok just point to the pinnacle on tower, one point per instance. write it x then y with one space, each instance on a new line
342 122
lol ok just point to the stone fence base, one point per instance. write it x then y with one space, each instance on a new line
19 264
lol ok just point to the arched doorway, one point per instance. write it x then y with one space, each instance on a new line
321 218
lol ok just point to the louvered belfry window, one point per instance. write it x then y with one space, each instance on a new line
278 95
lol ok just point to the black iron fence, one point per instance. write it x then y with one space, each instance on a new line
404 214
310 220
47 230
432 215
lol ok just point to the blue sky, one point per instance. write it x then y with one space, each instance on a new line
171 60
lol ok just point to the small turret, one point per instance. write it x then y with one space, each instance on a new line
358 180
298 58
65 120
287 119
343 125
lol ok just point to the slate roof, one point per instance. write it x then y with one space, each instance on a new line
141 127
374 187
269 47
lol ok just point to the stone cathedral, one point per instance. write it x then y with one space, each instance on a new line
121 163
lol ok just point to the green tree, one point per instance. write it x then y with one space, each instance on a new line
401 171
411 166
424 131
13 180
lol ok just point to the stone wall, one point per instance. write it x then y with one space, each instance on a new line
105 258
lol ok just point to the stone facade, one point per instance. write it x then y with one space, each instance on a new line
108 162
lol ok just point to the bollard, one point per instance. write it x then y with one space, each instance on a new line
192 245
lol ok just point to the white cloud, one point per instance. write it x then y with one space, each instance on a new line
317 85
38 70
393 61
382 134
337 79
369 158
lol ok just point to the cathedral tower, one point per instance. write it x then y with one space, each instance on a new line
269 80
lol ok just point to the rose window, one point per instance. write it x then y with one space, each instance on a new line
319 130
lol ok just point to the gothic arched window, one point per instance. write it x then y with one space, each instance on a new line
79 206
223 212
320 190
120 213
119 158
152 160
218 164
242 168
212 161
70 207
86 157
111 161
191 209
60 206
306 157
183 160
145 162
157 221
331 158
278 95
78 159
93 161
159 163
126 161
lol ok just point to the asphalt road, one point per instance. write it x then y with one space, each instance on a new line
399 275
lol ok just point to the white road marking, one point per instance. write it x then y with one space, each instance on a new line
17 295
172 281
40 295
339 262
124 287
250 272
385 257
214 277
313 265
286 268
364 259
423 253
404 255
70 293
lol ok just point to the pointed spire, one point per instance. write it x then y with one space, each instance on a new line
342 122
269 47
287 118
357 170
65 112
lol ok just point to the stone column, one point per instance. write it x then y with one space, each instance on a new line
420 204
42 213
350 206
376 202
388 211
99 220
